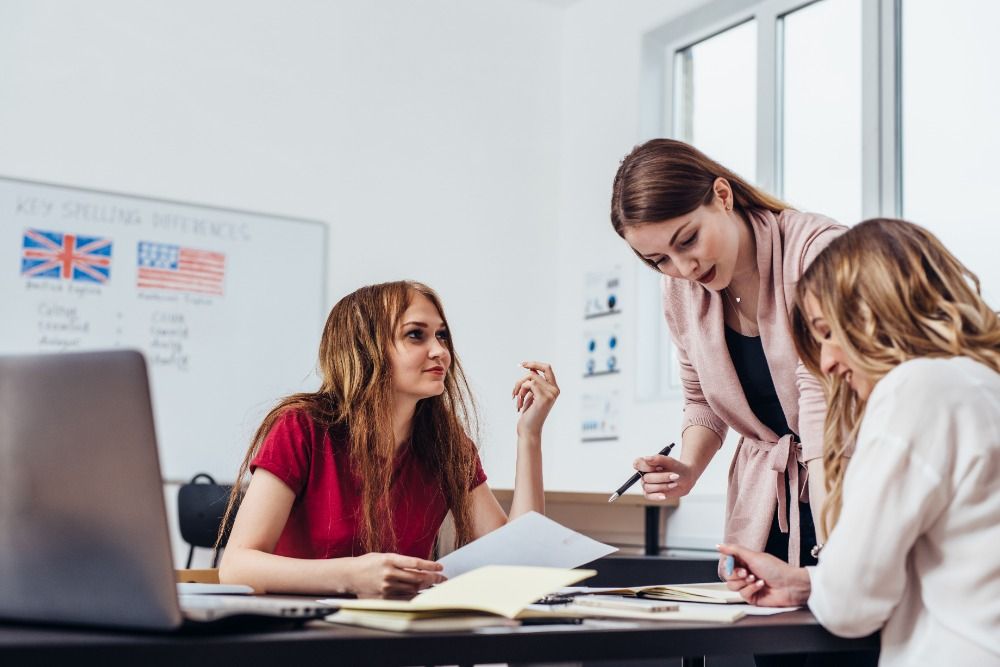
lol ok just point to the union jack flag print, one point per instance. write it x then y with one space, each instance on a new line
65 256
172 267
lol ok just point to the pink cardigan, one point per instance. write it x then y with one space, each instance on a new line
713 397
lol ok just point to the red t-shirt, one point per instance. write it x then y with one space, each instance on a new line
323 522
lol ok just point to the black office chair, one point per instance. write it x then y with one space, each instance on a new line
200 508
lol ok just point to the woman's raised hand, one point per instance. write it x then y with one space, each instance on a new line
393 575
534 395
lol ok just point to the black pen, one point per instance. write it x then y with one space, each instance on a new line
636 477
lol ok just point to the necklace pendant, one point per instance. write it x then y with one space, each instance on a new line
738 299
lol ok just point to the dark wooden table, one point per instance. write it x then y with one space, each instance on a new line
320 643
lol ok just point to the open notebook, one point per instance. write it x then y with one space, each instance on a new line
713 593
503 595
501 590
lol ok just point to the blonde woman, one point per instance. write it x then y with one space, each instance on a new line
350 483
909 355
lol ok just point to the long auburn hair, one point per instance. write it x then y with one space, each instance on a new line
356 398
665 178
890 292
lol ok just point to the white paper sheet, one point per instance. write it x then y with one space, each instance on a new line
531 539
752 610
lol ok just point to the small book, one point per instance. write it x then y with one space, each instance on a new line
712 593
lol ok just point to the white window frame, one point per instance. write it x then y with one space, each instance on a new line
881 141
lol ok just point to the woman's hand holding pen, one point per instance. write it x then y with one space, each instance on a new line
765 580
664 477
534 395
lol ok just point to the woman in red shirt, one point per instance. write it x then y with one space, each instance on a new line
350 483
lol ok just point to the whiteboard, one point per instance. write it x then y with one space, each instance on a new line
227 305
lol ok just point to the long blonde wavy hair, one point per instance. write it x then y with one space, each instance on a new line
355 401
890 292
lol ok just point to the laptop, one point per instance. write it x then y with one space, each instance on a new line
83 526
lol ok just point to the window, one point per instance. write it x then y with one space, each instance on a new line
716 97
709 76
950 133
820 114
850 108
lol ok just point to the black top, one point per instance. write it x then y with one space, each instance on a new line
747 353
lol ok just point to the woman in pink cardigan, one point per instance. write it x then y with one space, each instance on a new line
730 256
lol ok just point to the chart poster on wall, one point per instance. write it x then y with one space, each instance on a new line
602 293
601 348
227 306
600 416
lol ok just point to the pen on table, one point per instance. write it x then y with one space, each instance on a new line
636 477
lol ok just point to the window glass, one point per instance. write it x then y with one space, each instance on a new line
821 109
950 118
716 98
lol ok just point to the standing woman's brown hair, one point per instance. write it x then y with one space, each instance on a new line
355 396
666 178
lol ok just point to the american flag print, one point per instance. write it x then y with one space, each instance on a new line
65 256
172 267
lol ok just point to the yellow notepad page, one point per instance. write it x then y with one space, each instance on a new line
495 589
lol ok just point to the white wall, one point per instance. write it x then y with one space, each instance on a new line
601 68
469 145
425 133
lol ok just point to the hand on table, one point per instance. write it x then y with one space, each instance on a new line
393 575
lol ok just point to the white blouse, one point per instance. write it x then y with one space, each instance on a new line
916 550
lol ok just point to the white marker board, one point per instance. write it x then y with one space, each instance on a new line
227 305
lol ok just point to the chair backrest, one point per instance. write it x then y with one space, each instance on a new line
200 508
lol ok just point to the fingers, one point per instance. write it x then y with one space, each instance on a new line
660 479
404 576
544 369
415 578
642 465
536 387
752 592
740 579
664 462
734 550
413 563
